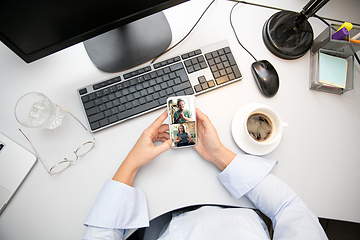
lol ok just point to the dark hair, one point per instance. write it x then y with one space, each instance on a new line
183 127
180 100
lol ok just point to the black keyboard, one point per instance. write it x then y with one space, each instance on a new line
145 89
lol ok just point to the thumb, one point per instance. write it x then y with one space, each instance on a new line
203 118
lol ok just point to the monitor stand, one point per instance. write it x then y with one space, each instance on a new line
130 45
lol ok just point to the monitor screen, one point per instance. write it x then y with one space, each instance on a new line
35 29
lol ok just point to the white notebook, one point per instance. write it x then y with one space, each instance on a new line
15 164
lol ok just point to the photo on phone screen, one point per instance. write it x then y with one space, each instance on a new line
182 121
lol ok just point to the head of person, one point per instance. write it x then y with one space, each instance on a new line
181 104
181 129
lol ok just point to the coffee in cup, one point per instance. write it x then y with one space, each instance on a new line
259 127
263 125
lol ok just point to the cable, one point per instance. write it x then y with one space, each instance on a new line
264 6
232 26
322 19
340 21
171 48
280 9
258 5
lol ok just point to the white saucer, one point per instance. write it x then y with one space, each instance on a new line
239 134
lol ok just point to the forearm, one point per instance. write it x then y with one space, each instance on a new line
222 157
126 172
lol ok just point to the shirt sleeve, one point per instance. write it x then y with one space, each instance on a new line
117 207
291 218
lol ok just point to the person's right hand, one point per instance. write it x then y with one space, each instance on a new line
144 150
209 145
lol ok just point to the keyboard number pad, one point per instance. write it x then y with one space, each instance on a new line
222 65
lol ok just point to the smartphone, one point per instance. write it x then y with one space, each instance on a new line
182 121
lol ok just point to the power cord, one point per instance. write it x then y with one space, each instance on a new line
171 48
281 9
232 26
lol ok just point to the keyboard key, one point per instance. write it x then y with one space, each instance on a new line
89 105
148 98
211 83
91 111
121 108
94 126
135 103
204 86
198 88
222 80
137 110
104 122
189 91
107 113
102 107
231 59
201 79
176 67
181 87
128 105
96 117
236 71
114 110
162 101
142 100
83 91
113 119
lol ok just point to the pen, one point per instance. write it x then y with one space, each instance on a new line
355 41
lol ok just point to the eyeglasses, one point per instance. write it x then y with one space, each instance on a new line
79 152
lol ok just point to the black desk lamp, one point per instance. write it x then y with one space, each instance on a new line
289 35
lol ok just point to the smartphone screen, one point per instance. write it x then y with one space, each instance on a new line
182 121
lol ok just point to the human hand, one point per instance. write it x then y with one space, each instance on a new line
209 145
144 150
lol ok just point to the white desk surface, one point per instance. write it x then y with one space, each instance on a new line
318 157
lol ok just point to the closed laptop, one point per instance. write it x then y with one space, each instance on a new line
15 164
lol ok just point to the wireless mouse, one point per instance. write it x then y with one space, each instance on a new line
266 77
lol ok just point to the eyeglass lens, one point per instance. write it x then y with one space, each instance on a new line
84 149
61 166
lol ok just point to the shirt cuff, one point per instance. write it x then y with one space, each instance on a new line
119 206
244 173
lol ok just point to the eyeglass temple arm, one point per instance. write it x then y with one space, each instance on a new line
76 120
36 153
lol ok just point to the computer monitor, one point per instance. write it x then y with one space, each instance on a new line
121 34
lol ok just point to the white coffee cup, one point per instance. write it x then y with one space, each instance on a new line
264 127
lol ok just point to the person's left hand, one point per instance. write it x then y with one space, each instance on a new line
144 150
